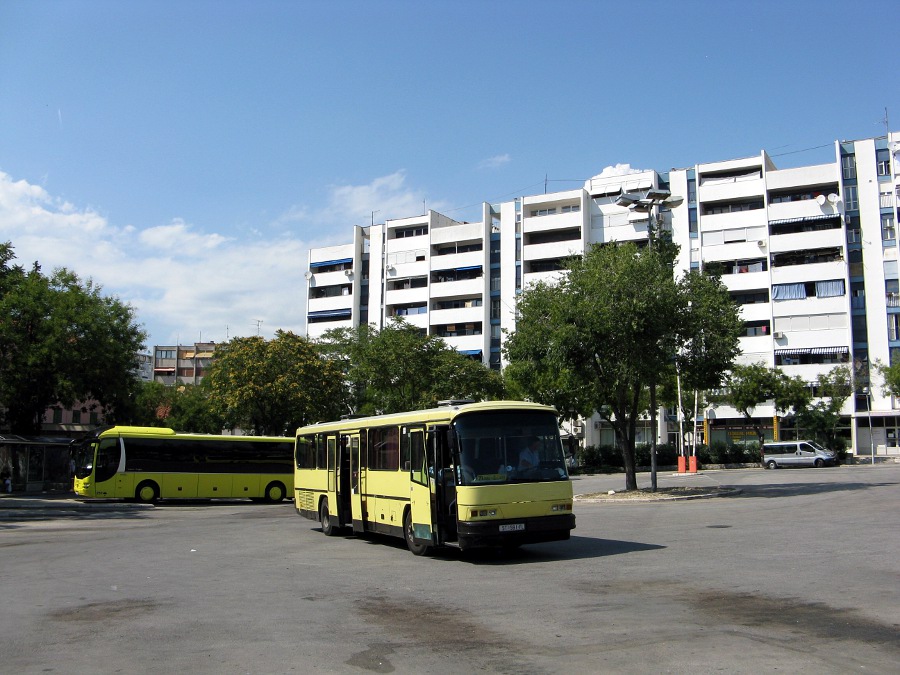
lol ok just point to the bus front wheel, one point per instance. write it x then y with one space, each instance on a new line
275 492
328 526
408 532
147 492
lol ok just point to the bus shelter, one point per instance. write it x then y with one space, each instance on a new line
35 463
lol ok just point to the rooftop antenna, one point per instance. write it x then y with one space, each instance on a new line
258 324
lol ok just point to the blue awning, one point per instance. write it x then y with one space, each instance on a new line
804 219
329 313
470 352
811 350
328 263
469 267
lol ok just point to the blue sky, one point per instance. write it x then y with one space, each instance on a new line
186 155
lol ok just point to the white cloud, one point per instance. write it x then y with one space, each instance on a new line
382 199
618 170
494 162
184 284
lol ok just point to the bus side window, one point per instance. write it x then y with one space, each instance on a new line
417 452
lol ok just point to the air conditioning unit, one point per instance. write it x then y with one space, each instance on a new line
778 335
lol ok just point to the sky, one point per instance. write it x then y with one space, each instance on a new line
187 155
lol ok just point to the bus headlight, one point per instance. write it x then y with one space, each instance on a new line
484 513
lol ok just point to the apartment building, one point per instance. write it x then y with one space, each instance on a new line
809 253
182 364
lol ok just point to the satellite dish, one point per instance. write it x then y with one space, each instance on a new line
820 200
833 198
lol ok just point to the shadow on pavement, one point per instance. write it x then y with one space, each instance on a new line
796 489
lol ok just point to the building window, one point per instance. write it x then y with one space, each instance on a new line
543 212
76 417
851 198
888 231
417 231
883 162
692 191
848 167
575 208
692 222
165 353
893 326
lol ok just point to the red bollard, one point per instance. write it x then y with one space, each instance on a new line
681 468
692 467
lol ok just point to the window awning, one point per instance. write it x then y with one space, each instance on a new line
163 370
470 352
805 219
811 350
326 263
330 313
468 267
204 355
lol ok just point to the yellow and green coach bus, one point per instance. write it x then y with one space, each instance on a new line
463 474
151 463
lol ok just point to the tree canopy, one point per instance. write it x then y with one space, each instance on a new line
750 385
272 387
399 368
610 328
185 407
62 341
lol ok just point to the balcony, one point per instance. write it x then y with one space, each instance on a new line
464 287
801 241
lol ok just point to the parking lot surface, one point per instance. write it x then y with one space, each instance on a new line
798 573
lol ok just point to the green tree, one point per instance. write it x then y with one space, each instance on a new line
272 387
601 335
152 405
821 417
891 376
399 368
62 341
751 385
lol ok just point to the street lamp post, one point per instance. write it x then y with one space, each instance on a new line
868 394
649 202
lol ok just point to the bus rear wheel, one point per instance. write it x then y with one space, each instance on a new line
328 526
408 533
275 492
147 492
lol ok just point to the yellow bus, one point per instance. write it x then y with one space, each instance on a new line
151 463
463 474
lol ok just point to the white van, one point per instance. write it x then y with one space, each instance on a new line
796 453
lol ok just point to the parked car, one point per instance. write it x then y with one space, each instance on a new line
796 453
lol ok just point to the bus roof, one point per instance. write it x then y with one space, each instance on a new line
168 433
443 413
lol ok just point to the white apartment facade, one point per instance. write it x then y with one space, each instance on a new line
809 253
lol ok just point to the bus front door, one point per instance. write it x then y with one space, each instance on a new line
443 486
358 483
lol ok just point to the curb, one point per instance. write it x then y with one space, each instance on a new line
65 504
650 497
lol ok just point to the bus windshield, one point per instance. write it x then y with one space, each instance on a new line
508 447
83 454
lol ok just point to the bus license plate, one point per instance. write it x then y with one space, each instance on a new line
515 527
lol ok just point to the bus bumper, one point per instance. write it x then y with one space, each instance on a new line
481 534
